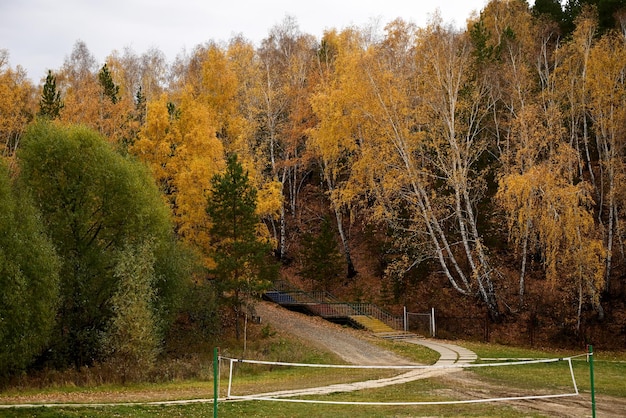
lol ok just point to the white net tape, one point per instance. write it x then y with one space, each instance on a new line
404 374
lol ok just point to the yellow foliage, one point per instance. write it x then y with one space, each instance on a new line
17 106
269 199
85 104
154 141
220 89
544 208
184 154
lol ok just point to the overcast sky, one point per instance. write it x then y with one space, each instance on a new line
40 34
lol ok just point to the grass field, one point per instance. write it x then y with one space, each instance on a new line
609 368
258 409
610 378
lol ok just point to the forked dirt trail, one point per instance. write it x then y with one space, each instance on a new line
354 347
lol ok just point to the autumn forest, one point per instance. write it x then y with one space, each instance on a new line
482 169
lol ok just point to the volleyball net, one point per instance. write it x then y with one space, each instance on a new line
398 385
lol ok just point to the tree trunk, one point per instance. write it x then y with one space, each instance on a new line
522 275
283 234
483 271
344 242
336 208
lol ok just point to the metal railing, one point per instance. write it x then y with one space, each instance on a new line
326 305
335 310
374 311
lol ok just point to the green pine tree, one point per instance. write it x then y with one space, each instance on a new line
50 104
109 89
140 107
321 258
243 267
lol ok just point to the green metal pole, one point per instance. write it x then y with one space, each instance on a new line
216 379
593 391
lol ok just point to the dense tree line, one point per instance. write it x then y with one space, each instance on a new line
464 151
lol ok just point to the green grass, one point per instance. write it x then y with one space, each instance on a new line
609 369
270 409
424 390
165 387
287 378
412 352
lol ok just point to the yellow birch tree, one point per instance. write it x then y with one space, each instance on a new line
334 139
180 146
17 104
606 81
285 64
545 203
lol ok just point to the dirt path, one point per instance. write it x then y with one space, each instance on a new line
352 346
347 343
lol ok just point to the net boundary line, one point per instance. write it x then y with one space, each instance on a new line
401 367
467 401
277 398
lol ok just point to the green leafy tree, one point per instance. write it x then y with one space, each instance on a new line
94 203
29 278
132 337
242 266
50 104
321 258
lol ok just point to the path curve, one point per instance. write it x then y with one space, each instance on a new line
448 353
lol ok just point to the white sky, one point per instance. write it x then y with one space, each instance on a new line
40 34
